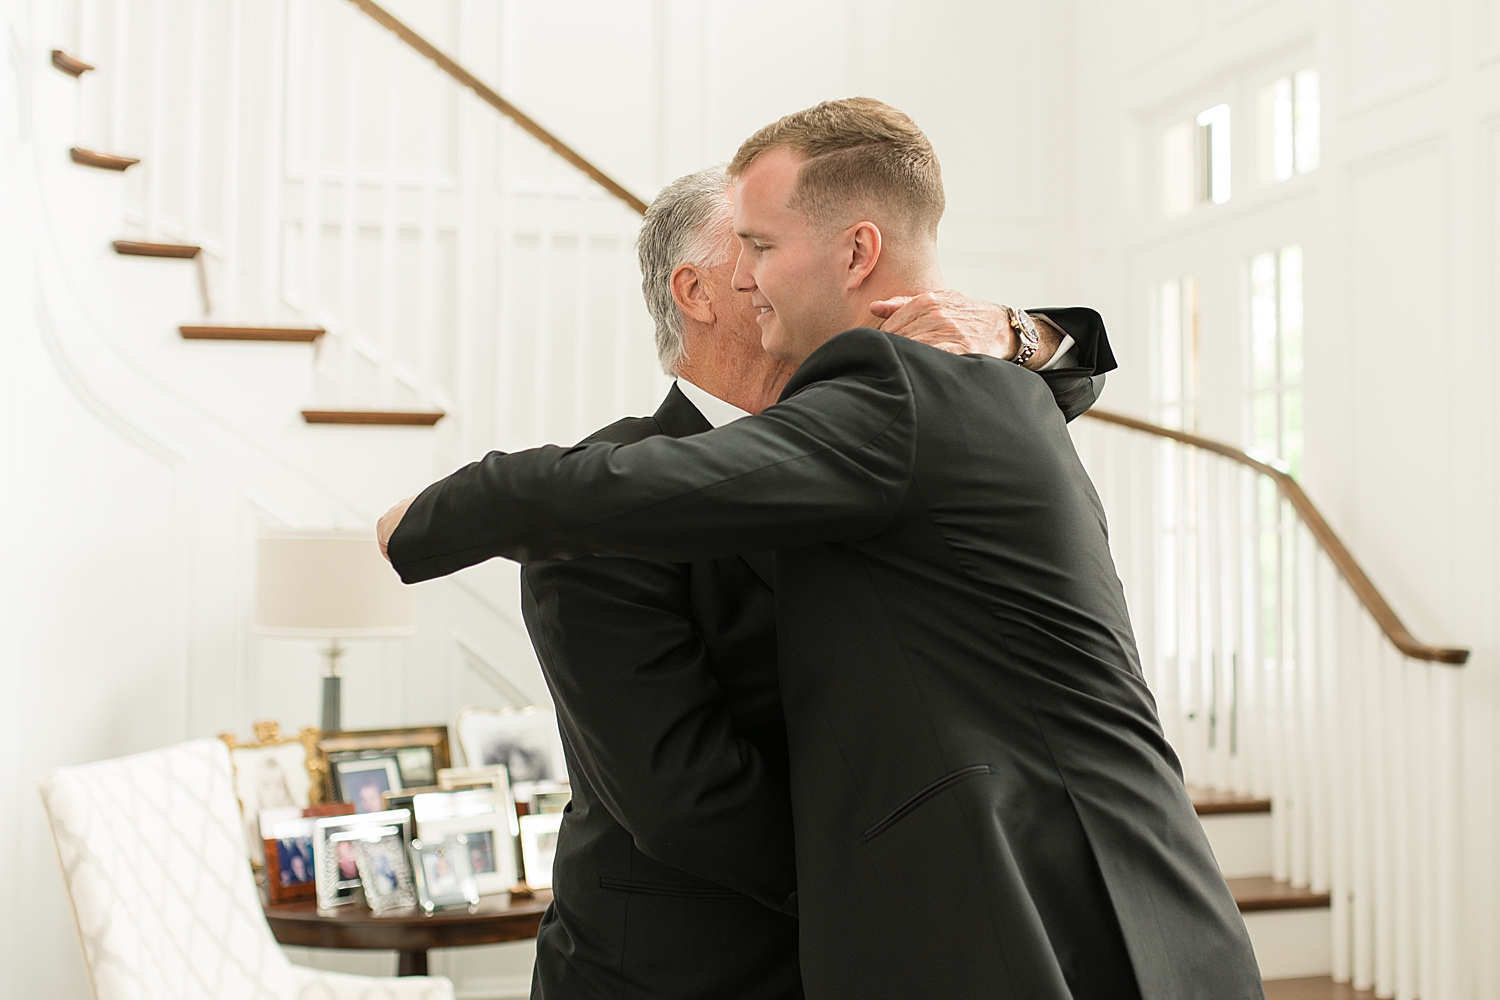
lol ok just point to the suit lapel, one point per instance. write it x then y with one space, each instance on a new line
678 417
764 564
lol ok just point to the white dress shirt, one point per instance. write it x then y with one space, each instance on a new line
714 409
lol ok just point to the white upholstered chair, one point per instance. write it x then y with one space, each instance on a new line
154 859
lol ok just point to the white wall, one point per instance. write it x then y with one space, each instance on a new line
1398 225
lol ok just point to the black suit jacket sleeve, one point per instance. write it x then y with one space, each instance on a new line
1078 385
831 461
640 709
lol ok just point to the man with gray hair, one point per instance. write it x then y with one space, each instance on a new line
674 874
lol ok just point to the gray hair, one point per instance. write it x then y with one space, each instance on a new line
686 224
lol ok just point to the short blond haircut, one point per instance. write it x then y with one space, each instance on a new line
858 154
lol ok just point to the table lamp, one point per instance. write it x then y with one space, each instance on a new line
328 585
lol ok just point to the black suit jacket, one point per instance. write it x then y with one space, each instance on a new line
674 872
664 678
984 804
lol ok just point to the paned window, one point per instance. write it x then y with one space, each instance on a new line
1275 419
1288 115
1276 355
1195 158
1176 323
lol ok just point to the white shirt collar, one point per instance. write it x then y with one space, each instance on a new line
714 409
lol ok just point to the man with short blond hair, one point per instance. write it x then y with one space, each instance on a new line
984 803
856 152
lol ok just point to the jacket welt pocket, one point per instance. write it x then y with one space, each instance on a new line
899 813
662 889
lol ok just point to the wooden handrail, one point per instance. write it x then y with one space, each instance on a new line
450 66
1379 608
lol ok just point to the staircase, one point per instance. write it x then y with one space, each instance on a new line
1290 688
1290 928
274 320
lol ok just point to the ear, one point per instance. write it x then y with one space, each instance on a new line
690 292
864 252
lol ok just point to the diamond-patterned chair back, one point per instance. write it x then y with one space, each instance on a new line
154 857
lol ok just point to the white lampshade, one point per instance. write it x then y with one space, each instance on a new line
327 584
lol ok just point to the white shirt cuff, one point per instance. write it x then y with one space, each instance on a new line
1059 359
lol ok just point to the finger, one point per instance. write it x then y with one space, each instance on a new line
917 314
886 307
927 327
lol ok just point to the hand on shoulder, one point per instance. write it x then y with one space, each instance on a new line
949 321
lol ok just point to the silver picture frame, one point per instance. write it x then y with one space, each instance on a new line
336 862
444 876
488 819
384 868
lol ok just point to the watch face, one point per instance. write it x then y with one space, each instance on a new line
1026 327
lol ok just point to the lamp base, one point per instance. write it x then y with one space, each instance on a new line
332 703
333 694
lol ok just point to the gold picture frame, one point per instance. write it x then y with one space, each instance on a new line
274 771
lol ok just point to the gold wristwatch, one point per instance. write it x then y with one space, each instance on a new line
1026 332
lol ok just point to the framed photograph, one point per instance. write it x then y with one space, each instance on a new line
545 802
525 742
403 799
444 877
335 862
274 772
487 819
539 847
290 875
415 756
533 797
458 779
362 781
384 868
477 779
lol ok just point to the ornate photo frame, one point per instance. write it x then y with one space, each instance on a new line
274 771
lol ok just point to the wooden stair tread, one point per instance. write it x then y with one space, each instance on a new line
137 248
104 161
1207 802
71 65
1314 988
389 418
281 334
1264 893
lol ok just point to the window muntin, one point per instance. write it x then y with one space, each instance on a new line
1276 355
1215 125
1176 311
1196 157
1288 122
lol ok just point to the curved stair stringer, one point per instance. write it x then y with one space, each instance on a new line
96 283
224 483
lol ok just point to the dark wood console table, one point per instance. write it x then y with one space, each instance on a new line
408 932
